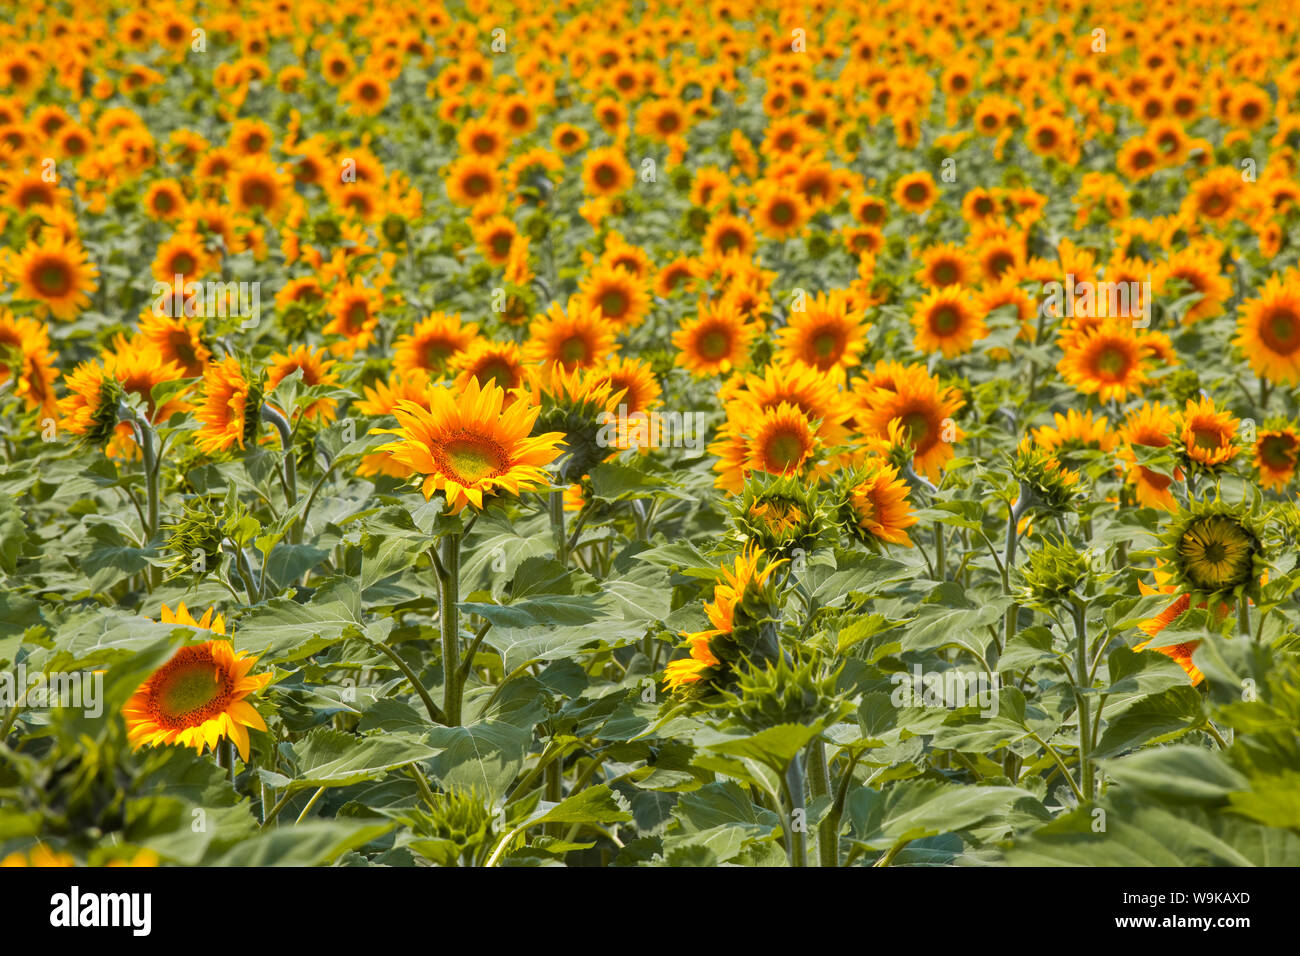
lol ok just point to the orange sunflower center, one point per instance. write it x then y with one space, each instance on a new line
189 689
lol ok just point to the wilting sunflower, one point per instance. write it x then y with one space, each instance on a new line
1106 360
925 411
875 504
1214 552
431 345
826 335
57 274
1151 426
1268 331
605 172
199 696
715 341
471 443
576 336
231 408
620 296
1209 436
1276 453
946 320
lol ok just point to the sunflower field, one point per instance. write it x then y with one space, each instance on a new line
649 433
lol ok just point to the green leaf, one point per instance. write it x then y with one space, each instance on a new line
332 758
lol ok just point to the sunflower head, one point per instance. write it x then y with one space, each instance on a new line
1215 551
576 404
1044 482
873 501
781 515
1052 573
195 541
793 691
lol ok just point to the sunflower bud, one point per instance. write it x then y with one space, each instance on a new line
785 691
1053 573
779 515
195 541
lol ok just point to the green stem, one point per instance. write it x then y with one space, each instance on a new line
449 622
1081 673
556 507
796 836
310 803
940 553
436 715
281 424
819 784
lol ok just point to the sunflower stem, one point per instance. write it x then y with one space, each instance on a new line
556 507
281 424
1243 617
796 815
819 783
1086 779
449 622
1014 515
940 553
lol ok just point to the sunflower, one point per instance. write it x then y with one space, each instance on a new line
715 341
30 191
779 212
25 356
1276 454
1107 360
230 410
431 345
488 362
1074 431
635 378
1151 426
315 369
781 440
742 598
576 336
55 273
1182 652
1268 331
916 192
471 179
605 172
177 339
825 335
729 235
354 314
470 443
569 139
923 409
676 275
946 320
1208 435
1138 158
1213 550
366 95
135 368
258 184
184 255
620 296
1215 195
1200 272
877 506
199 696
496 238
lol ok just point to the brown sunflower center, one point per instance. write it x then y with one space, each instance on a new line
1280 330
1112 363
916 192
605 176
917 426
945 320
613 304
52 277
785 450
1278 452
573 349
